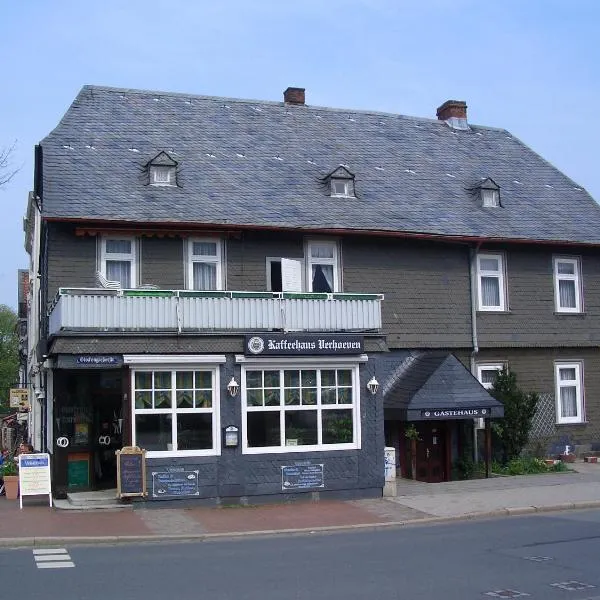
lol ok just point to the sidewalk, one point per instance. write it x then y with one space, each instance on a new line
38 524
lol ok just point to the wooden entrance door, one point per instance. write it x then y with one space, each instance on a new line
431 452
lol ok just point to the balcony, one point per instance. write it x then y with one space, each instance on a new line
108 310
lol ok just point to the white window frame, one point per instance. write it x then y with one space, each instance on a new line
499 274
189 365
579 390
488 367
490 198
335 261
156 169
113 256
576 278
347 188
193 258
324 363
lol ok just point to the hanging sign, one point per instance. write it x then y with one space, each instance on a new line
34 476
19 398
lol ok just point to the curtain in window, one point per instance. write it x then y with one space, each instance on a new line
205 276
118 246
119 270
322 280
488 376
490 291
204 249
568 401
566 293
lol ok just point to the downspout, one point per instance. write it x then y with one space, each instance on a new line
473 279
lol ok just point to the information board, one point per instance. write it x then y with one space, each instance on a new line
302 477
34 476
175 482
131 472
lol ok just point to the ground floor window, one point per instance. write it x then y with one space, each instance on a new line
175 411
315 408
569 392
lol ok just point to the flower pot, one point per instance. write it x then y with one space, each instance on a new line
11 487
568 458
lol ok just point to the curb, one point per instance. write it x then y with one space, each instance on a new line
41 541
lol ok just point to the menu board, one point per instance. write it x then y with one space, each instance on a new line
131 472
175 482
302 477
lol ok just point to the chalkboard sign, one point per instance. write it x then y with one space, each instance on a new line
131 472
175 482
302 477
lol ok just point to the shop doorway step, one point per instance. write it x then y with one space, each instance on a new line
100 500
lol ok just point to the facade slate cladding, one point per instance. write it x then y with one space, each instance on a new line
168 248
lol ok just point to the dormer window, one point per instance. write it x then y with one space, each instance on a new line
162 170
162 175
489 193
341 182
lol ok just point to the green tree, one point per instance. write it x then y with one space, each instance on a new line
9 353
512 432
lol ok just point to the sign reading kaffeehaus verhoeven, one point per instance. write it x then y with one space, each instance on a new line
455 413
295 345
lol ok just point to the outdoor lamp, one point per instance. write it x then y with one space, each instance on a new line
373 385
233 387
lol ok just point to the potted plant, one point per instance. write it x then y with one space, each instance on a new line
10 474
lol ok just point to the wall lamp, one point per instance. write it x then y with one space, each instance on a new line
373 385
233 387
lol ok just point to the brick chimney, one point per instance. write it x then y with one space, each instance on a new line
294 95
452 108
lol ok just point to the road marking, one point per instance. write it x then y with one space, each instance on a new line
52 558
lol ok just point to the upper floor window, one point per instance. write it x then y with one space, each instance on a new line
341 182
490 277
567 285
569 392
486 374
322 266
162 175
118 260
205 264
489 193
340 187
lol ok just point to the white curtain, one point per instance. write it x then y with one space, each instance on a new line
322 278
566 292
205 276
568 401
490 291
119 270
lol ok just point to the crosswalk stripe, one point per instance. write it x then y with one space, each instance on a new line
55 565
41 551
52 558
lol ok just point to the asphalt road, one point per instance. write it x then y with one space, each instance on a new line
539 555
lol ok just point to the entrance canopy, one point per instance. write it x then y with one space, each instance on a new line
436 386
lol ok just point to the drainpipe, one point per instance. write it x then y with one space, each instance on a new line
473 280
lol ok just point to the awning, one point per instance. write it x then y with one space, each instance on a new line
436 386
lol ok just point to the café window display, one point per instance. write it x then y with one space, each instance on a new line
309 408
175 411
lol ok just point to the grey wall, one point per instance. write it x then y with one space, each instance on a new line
531 320
348 473
162 262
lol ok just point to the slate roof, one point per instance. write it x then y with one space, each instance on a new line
434 380
256 163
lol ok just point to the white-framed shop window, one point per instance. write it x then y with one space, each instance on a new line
118 260
567 285
176 409
569 392
322 266
205 264
300 407
486 374
491 287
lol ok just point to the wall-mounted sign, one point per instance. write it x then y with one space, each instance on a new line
131 472
302 477
89 361
19 398
231 436
455 413
34 476
295 345
175 482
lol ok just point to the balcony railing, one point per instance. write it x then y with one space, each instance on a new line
99 310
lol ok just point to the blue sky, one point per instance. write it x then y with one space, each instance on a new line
528 66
